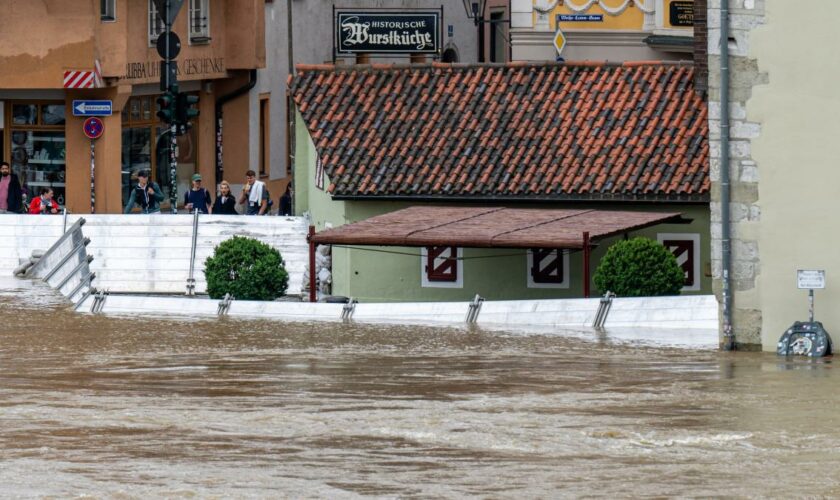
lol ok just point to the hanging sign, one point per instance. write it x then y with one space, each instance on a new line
414 32
93 128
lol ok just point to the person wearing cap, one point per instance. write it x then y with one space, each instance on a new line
146 194
197 198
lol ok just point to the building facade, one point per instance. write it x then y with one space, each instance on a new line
603 30
371 141
92 50
782 168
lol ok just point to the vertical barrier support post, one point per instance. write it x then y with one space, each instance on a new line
191 277
312 281
586 256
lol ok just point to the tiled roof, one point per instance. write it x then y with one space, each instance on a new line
631 131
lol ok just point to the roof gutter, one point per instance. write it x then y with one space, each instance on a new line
725 228
664 200
220 102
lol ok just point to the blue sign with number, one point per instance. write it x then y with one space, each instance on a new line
92 108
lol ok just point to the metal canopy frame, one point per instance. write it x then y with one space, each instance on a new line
490 227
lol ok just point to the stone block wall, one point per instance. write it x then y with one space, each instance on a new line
745 208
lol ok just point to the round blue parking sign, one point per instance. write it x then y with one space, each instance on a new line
94 127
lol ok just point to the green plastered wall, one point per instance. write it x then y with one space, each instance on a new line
390 274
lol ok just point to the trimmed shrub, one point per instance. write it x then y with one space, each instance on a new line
247 269
639 267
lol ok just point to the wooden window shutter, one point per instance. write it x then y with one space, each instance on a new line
442 264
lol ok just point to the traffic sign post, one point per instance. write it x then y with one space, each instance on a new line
93 129
810 279
92 108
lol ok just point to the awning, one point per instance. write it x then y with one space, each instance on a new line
490 227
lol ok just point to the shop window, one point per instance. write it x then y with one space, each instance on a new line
686 248
548 268
265 135
156 26
144 147
199 21
38 147
442 267
108 10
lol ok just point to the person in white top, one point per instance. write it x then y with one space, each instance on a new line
254 195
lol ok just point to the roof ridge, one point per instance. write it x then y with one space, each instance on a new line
301 67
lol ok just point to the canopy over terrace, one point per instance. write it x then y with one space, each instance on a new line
491 227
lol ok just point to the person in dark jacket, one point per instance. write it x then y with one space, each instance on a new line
225 203
286 202
10 190
197 197
146 194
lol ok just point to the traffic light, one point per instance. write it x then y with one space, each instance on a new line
185 111
166 107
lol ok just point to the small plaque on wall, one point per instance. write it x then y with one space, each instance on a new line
681 13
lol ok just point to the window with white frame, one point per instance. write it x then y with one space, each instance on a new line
199 21
108 10
686 248
548 268
441 267
156 26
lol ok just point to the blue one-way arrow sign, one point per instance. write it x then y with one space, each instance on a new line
92 108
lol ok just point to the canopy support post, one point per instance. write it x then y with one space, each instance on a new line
312 276
586 250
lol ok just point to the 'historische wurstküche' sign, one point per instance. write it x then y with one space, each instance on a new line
387 32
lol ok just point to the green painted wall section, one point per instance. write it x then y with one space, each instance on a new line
387 274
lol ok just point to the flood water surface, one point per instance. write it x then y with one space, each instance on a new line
135 408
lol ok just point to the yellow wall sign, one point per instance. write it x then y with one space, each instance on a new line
559 41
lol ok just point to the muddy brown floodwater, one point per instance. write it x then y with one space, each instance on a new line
135 408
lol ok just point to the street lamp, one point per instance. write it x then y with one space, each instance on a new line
475 11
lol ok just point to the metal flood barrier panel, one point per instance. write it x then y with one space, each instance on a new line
66 265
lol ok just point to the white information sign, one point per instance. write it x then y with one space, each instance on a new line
810 279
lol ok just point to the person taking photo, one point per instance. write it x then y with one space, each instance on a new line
44 204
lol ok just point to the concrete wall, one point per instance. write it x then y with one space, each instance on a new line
151 253
784 172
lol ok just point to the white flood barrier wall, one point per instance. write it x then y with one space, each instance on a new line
690 313
151 253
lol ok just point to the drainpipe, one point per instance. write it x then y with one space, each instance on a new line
220 102
725 230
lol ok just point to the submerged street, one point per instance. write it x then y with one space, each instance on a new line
133 407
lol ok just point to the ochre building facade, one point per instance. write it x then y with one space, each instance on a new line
49 48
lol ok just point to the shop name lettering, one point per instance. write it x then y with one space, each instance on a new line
358 33
151 69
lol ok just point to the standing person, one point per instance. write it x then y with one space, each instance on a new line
146 194
10 190
254 195
286 201
44 204
225 203
197 197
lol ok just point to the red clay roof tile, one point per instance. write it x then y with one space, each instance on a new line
523 130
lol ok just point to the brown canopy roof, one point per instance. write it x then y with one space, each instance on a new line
490 227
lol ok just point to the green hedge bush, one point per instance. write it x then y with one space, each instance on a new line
247 269
639 267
